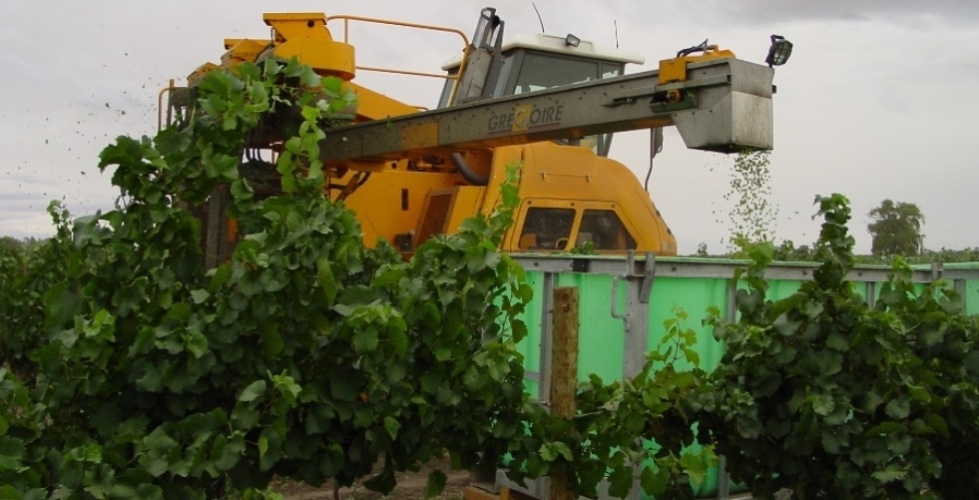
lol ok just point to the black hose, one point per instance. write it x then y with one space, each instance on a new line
466 172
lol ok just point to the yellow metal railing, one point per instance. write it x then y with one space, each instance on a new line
465 52
159 107
347 19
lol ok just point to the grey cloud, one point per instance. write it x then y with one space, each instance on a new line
907 12
958 11
951 13
10 200
23 178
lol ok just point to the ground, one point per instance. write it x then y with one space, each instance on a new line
411 486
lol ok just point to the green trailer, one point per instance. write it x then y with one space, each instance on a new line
625 300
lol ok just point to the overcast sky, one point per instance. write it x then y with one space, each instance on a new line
880 99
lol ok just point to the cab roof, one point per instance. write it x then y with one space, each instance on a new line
556 44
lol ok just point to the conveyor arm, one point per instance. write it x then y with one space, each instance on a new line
723 105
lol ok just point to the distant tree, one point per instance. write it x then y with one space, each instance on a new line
896 229
787 251
948 255
10 243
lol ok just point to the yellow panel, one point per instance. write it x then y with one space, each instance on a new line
325 56
672 70
199 73
378 203
675 70
307 25
242 50
374 106
466 205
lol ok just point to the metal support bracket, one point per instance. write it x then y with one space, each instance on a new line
635 317
648 274
614 303
635 323
645 282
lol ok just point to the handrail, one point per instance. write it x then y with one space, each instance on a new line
347 18
407 72
465 39
159 107
346 36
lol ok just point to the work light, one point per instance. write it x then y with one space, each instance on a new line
779 52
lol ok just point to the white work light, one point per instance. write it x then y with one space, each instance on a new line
571 40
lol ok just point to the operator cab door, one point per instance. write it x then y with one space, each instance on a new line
547 225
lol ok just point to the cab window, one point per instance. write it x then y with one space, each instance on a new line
546 229
603 230
543 71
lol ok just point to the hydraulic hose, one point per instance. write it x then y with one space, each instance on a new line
466 172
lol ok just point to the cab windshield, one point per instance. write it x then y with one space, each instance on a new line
538 70
527 70
541 70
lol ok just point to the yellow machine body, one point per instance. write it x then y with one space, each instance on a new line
563 189
572 195
607 208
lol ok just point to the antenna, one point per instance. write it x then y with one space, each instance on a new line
538 17
616 24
